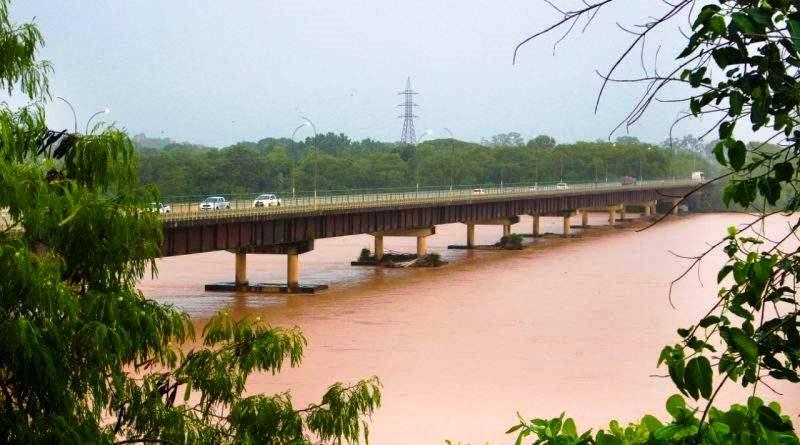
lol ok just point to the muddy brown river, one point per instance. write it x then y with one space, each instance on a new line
570 325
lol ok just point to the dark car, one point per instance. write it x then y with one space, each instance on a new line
628 180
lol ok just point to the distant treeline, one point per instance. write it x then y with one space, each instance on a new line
278 165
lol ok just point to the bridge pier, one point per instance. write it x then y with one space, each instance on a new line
505 222
612 215
292 269
584 218
470 236
292 285
622 212
649 209
240 279
378 246
379 255
422 246
536 225
566 230
675 206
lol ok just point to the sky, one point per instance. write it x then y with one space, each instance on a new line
220 72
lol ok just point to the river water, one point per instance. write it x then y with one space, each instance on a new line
571 325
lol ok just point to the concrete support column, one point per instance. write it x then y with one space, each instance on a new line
584 218
675 207
506 229
612 215
241 269
567 228
378 247
622 212
536 226
470 235
292 269
422 246
647 213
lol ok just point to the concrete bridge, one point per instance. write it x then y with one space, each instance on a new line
291 229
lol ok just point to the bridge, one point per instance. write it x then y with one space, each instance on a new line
292 228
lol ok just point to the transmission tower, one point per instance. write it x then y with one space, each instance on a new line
408 136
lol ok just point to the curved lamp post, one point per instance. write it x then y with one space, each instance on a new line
452 153
316 156
103 111
74 114
416 153
292 173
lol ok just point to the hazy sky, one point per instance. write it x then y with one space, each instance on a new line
218 72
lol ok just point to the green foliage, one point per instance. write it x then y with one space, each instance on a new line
280 165
752 333
511 242
84 357
751 423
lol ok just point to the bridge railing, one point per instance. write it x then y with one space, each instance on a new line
187 207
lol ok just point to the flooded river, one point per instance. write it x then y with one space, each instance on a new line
571 325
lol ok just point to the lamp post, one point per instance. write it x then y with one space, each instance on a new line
74 114
640 169
416 153
103 111
292 158
452 155
316 156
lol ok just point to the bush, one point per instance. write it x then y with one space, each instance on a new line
511 242
754 423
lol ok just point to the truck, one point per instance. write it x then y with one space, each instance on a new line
698 176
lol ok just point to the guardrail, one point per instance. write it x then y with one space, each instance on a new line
182 211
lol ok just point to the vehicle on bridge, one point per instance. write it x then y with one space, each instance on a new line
628 180
479 191
160 207
698 176
267 200
215 203
562 186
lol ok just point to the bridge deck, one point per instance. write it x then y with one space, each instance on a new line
347 203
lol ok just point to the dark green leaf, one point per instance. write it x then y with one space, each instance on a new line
772 420
743 344
698 377
737 155
783 171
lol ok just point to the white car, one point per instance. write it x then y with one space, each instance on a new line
160 207
266 200
562 186
478 191
215 203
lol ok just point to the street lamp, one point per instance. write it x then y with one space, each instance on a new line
103 111
74 114
316 156
293 155
452 155
416 153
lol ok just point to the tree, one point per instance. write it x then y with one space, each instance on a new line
742 61
84 357
505 140
543 142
